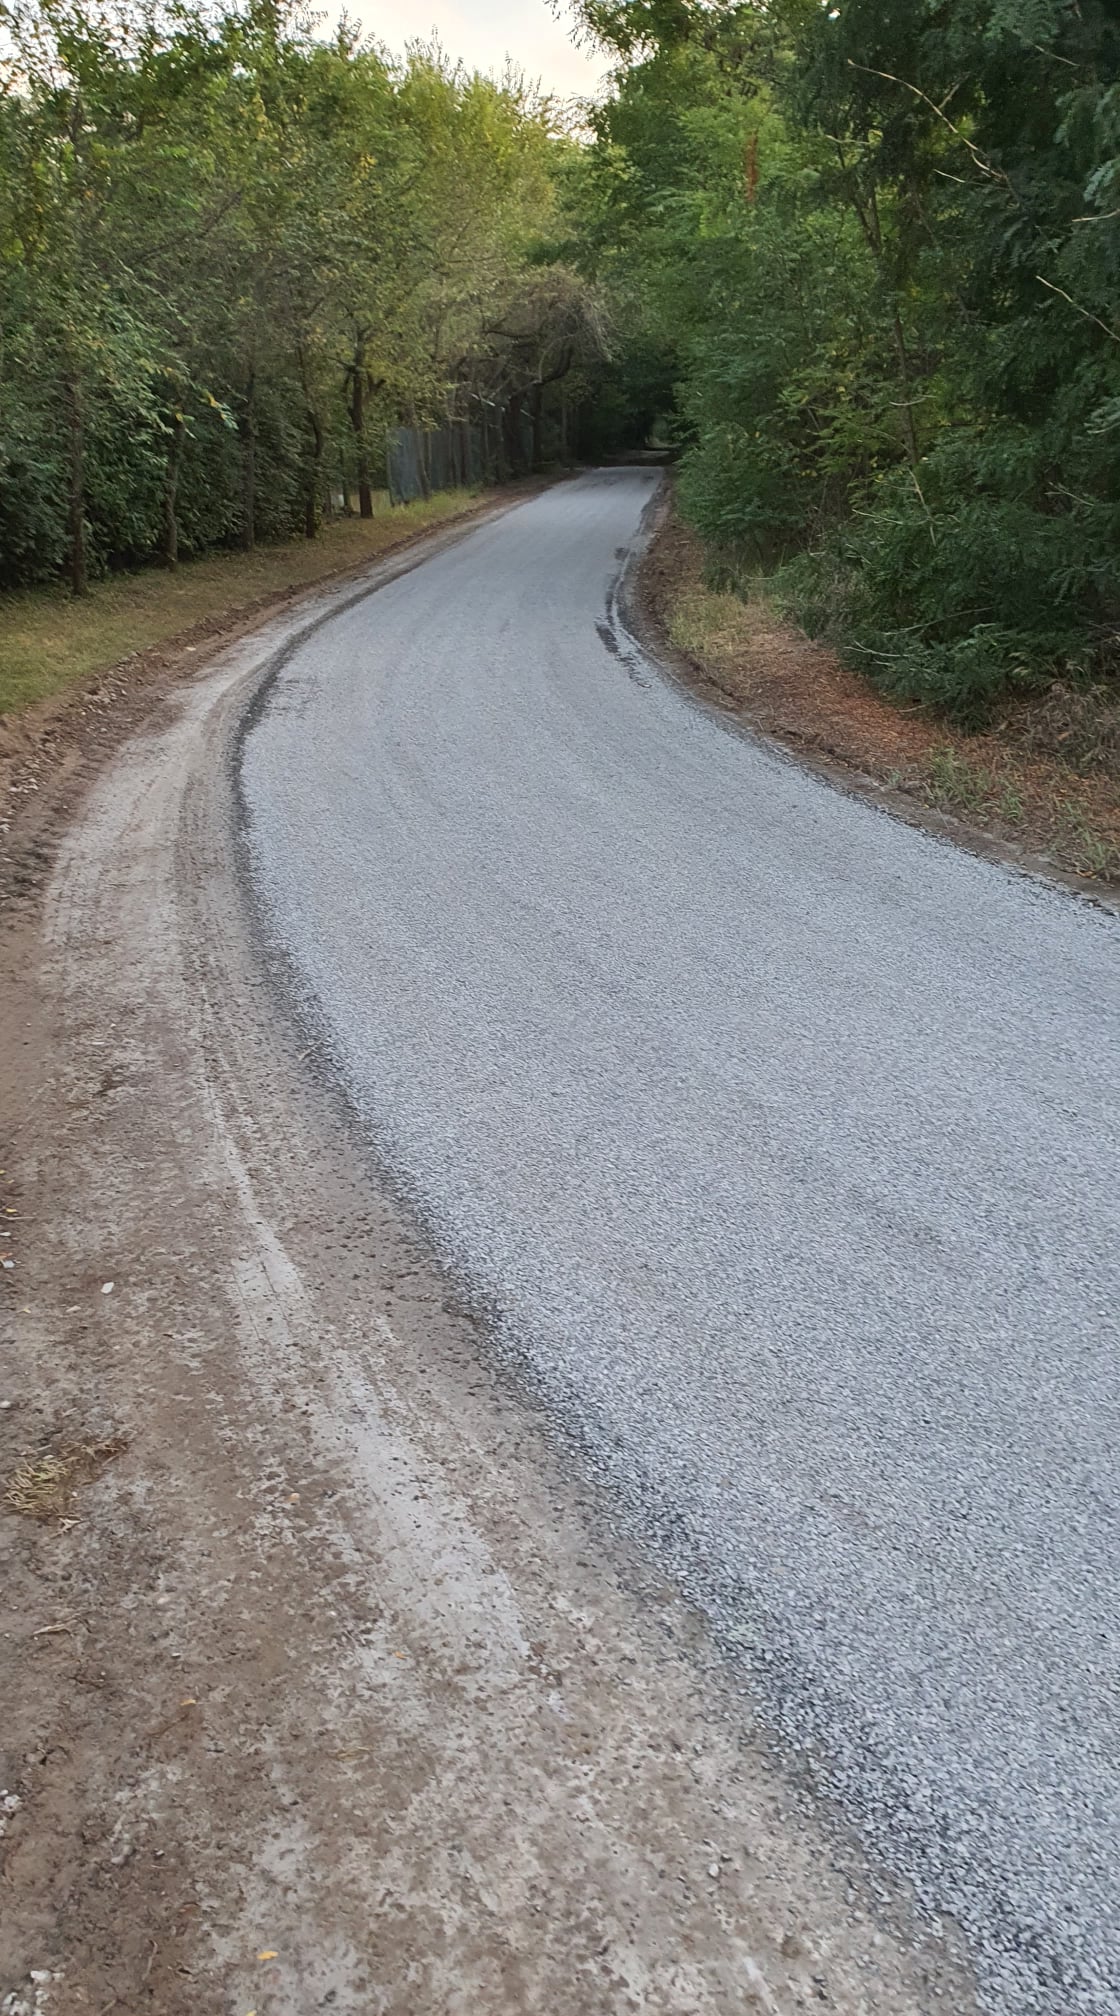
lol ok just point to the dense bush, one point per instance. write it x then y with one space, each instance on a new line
979 583
883 246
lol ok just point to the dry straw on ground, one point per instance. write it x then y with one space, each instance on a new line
44 1483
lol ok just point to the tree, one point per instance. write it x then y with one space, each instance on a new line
232 254
883 245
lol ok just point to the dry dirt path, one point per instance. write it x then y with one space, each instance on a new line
334 1688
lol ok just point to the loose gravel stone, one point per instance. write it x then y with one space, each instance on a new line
781 1145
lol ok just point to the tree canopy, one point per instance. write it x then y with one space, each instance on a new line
860 263
233 252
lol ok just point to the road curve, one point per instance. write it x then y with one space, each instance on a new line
780 1143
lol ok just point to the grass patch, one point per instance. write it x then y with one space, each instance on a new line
708 623
48 640
1087 851
955 785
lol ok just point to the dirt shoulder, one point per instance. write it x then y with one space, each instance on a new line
325 1684
1040 789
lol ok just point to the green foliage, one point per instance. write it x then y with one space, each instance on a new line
233 253
881 247
865 260
974 584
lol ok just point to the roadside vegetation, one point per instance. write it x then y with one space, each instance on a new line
875 253
1041 775
237 250
49 639
857 267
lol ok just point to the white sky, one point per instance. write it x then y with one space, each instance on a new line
484 32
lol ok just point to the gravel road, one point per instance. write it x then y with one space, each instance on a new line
780 1143
332 1685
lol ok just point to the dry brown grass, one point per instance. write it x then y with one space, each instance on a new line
1081 725
44 1482
1046 778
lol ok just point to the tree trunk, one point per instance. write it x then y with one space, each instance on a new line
170 492
77 561
311 480
867 210
249 468
908 427
514 451
358 429
536 416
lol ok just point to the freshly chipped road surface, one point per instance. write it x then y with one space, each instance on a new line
779 1143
